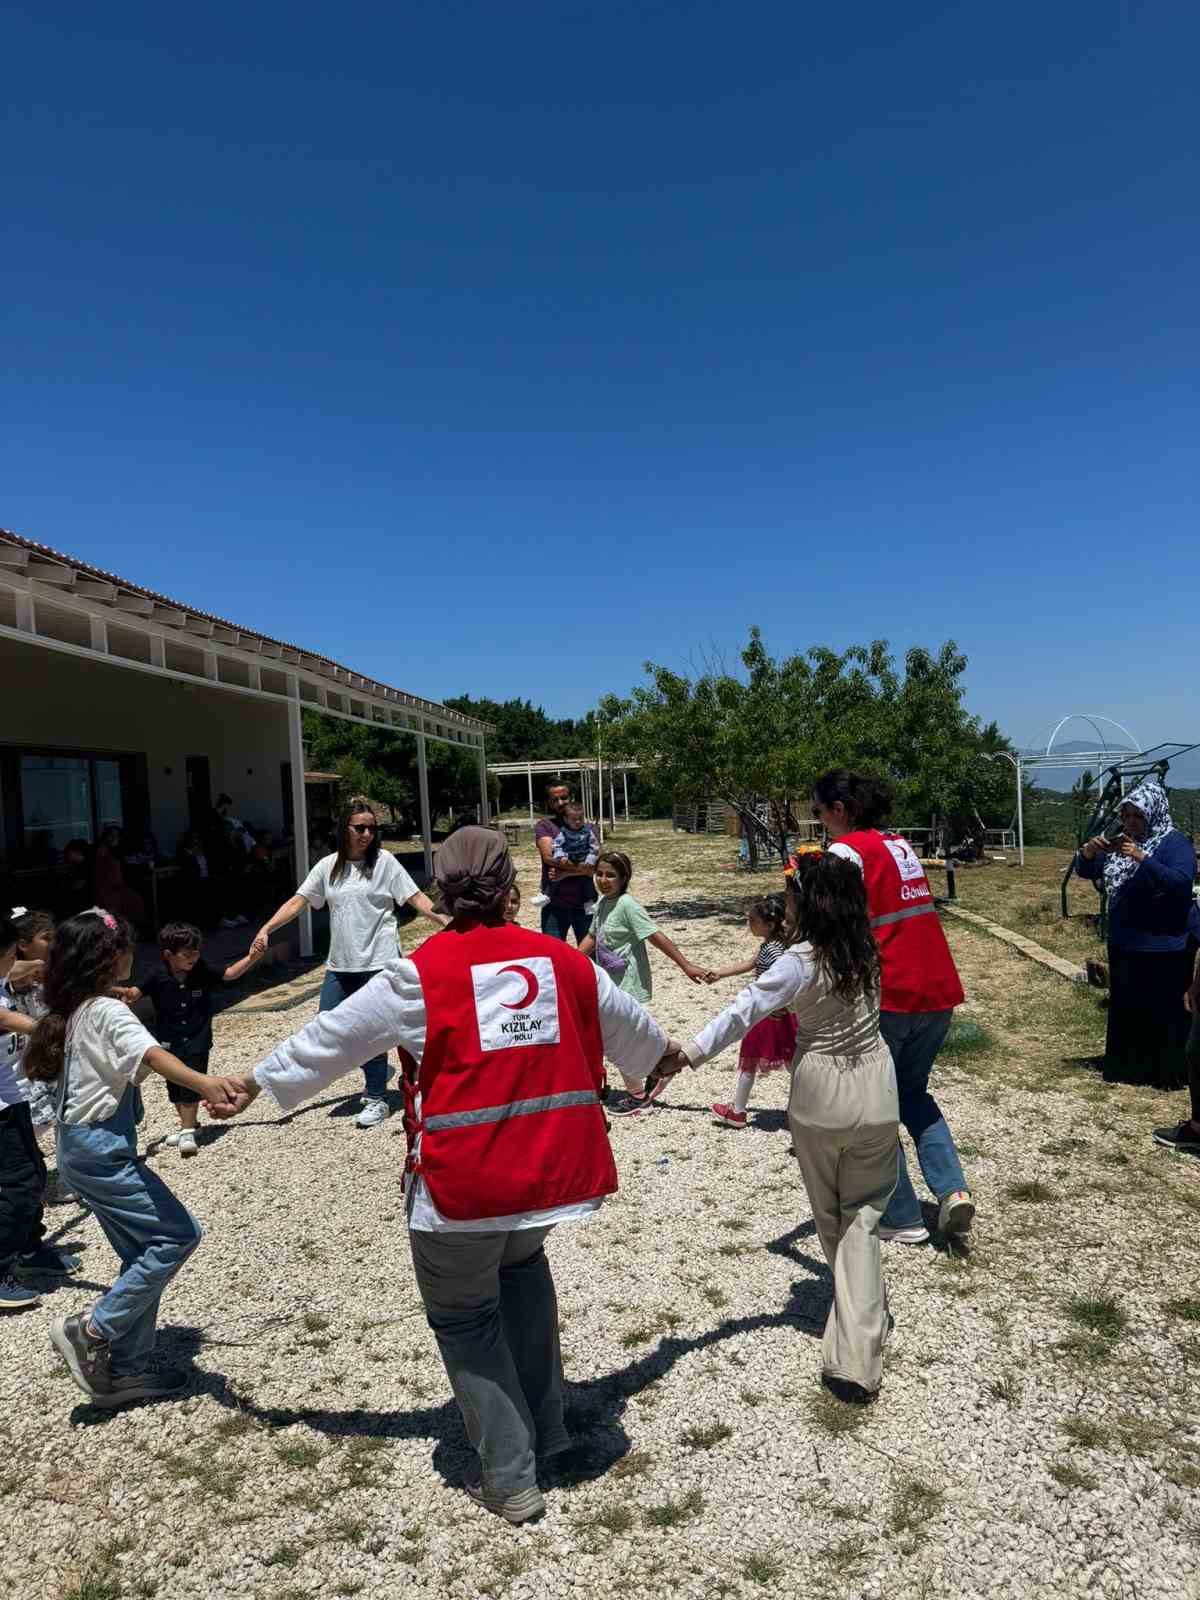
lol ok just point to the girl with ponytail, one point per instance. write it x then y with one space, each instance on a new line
95 1052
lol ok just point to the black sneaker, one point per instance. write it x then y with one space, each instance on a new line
625 1104
851 1394
86 1358
1183 1137
163 1385
654 1085
56 1263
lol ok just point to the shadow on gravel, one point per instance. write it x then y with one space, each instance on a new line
594 1408
729 912
768 1120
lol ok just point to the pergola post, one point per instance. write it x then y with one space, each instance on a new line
423 792
625 781
483 788
299 808
529 775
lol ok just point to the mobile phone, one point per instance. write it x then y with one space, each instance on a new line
1114 834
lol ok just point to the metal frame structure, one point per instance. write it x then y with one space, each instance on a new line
1026 761
60 603
589 768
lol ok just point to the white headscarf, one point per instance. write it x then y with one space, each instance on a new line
1150 798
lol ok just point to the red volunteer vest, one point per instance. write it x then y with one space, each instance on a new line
509 1115
916 967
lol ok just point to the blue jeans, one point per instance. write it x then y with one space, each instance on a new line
558 921
339 986
152 1233
914 1040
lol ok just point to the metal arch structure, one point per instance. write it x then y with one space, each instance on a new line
1094 718
1119 778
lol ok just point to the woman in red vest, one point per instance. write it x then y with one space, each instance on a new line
920 989
503 1033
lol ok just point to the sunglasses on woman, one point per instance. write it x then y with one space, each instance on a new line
364 827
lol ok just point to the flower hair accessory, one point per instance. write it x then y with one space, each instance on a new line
17 911
106 917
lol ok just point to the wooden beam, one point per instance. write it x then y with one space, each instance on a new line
11 555
200 626
136 604
52 572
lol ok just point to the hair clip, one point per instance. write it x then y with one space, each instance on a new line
17 911
106 917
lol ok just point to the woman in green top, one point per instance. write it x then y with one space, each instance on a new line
621 931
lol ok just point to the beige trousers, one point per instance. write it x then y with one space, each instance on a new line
844 1120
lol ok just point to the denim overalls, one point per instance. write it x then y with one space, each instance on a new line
151 1232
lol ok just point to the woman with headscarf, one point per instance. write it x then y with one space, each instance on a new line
1147 873
503 1034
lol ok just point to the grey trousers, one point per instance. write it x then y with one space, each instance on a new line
844 1123
490 1301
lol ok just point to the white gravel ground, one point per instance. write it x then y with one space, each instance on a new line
319 1452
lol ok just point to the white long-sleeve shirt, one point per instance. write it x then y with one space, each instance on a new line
389 1012
827 1025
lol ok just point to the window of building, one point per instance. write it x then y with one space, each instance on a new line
53 796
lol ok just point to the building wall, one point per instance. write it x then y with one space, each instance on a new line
65 702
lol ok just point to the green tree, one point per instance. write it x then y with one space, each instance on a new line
758 739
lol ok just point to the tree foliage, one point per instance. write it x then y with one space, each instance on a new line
762 736
381 763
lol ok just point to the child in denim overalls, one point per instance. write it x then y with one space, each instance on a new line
98 1052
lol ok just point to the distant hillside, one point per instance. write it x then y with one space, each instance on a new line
1051 817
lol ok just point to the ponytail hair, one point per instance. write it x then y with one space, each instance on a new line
771 909
868 800
81 965
829 911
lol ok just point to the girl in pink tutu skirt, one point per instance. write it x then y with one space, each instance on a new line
771 1043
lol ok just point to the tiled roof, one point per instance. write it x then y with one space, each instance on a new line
85 569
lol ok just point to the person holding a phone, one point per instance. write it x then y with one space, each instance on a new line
1147 868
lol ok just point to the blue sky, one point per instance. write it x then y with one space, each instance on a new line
496 347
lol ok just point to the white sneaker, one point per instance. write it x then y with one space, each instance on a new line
956 1212
374 1112
187 1143
918 1234
172 1139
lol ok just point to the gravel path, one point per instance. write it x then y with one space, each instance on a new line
319 1453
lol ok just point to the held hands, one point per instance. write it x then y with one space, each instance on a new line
696 974
672 1060
258 945
225 1097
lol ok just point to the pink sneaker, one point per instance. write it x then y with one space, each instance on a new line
724 1113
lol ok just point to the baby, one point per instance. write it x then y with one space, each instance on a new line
576 843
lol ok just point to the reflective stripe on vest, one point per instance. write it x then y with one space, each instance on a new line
903 916
515 1108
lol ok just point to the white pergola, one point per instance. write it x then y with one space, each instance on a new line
62 604
591 769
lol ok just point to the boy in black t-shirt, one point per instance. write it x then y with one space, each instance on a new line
181 994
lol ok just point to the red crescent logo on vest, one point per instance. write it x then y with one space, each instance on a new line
531 992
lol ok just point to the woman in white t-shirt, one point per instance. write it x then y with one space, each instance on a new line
95 1052
362 885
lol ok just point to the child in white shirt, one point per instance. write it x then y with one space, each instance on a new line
96 1052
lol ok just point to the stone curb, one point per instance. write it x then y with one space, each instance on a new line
1027 947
